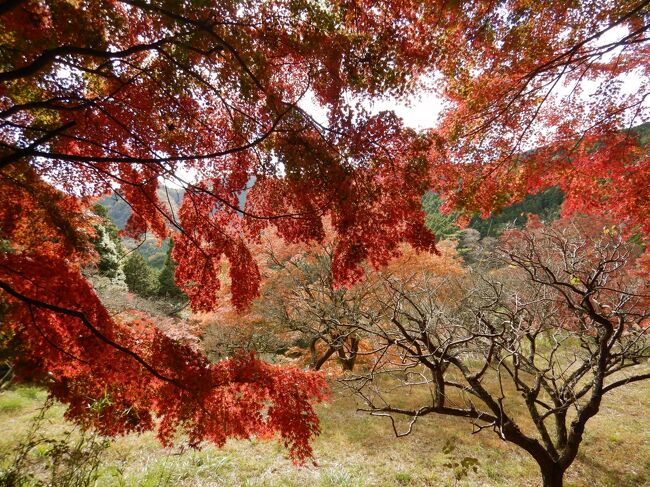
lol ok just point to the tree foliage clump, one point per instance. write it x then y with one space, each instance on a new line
442 225
140 278
108 244
167 287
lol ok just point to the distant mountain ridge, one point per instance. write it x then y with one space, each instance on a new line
151 249
546 204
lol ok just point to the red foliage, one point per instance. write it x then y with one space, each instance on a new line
119 377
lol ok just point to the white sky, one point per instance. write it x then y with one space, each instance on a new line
419 112
422 113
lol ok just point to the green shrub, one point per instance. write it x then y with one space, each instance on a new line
140 278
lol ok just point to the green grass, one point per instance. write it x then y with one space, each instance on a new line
358 450
19 398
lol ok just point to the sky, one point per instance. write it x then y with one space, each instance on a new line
419 112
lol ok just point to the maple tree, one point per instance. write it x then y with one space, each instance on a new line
118 95
300 303
538 98
545 337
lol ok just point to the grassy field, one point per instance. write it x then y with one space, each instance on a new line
354 450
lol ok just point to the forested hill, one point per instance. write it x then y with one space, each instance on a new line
545 204
151 249
643 132
119 211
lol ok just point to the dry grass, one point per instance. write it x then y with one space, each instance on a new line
358 450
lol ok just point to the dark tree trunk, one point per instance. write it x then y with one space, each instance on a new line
316 361
552 471
348 361
552 477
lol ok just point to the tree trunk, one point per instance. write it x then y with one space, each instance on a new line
552 477
317 362
552 471
347 361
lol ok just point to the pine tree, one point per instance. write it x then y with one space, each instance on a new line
167 287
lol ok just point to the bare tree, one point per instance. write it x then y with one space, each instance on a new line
564 322
305 299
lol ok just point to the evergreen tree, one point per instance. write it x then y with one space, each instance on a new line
442 226
108 244
167 287
140 278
